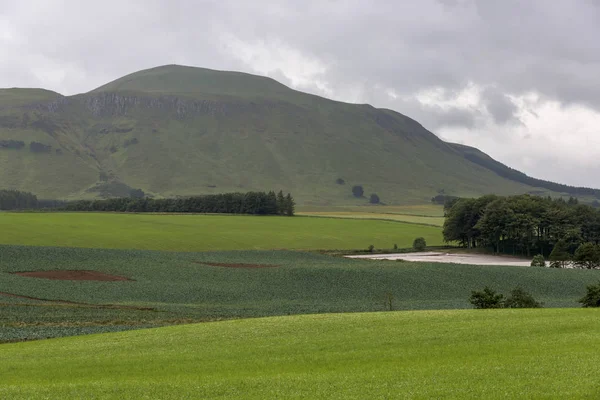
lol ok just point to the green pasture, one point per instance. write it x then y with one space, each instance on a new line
206 232
468 354
177 287
413 219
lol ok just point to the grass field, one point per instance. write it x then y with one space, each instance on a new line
422 210
172 287
491 354
412 219
206 232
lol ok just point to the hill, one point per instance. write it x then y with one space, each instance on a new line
177 130
435 354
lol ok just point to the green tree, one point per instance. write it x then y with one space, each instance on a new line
521 299
560 255
419 244
290 205
587 256
358 191
487 298
538 261
592 297
280 203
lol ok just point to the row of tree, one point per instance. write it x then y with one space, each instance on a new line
257 203
16 200
523 225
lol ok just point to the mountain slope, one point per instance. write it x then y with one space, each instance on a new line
180 130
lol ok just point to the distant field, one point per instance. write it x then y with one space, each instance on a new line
170 287
413 219
205 232
476 354
427 210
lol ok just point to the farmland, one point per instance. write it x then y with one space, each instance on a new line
206 232
418 354
177 287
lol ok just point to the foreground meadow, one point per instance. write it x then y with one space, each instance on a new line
137 289
468 354
206 232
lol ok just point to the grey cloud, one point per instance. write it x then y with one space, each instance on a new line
548 47
500 106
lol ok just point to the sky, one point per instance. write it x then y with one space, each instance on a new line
519 79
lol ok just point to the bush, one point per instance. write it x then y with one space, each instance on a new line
419 244
371 248
340 181
521 299
395 246
592 297
538 261
358 191
374 199
487 298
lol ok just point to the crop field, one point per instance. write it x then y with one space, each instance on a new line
152 288
468 354
206 232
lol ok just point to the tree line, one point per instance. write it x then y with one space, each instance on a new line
256 203
564 231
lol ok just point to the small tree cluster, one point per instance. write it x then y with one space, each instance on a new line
488 298
592 297
419 244
538 261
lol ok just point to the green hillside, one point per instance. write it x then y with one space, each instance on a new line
476 354
177 130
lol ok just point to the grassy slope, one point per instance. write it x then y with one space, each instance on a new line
253 134
205 232
437 354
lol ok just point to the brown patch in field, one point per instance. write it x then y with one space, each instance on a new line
237 265
73 275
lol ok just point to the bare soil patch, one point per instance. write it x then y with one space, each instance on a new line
237 265
73 275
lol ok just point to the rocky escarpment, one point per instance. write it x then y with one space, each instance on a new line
116 104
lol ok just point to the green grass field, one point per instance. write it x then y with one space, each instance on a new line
412 219
179 287
205 232
476 354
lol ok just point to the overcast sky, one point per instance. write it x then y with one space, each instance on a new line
519 79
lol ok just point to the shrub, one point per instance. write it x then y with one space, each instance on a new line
395 246
487 298
358 191
371 248
419 244
340 181
538 261
521 299
592 297
374 199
